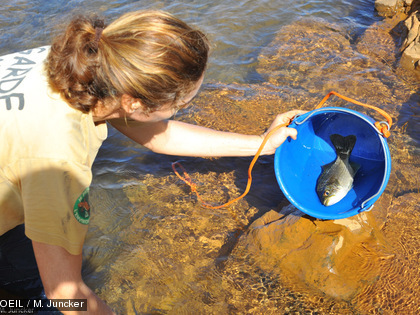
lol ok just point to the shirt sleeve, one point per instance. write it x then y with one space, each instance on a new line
55 202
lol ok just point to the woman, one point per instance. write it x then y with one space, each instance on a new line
134 74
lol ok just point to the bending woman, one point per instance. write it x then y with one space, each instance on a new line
134 74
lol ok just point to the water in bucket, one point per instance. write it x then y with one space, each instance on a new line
298 163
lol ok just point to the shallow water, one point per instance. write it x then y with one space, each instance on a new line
152 248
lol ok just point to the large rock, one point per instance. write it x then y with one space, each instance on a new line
411 46
388 7
336 257
408 12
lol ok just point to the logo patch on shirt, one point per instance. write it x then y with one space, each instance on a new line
81 209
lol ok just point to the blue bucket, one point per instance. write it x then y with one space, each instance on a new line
298 163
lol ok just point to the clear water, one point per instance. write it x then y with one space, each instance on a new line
152 248
238 29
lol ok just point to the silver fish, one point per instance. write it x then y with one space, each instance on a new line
336 178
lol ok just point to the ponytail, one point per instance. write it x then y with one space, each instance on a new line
149 55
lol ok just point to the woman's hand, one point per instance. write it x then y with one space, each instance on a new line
280 135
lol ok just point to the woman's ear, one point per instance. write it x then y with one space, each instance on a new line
126 101
130 104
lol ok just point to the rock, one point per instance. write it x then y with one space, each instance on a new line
411 45
411 56
335 257
412 25
388 7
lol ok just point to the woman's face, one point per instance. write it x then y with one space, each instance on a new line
167 111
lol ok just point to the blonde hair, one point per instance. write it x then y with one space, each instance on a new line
149 55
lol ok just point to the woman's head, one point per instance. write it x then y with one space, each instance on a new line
150 56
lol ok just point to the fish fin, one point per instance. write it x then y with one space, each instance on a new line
326 166
343 145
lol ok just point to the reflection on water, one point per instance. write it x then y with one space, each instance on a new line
152 248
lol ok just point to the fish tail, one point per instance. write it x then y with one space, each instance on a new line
343 145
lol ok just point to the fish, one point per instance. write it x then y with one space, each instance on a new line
337 177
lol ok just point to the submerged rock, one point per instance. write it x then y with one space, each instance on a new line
335 257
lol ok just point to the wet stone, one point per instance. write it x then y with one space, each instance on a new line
387 7
334 257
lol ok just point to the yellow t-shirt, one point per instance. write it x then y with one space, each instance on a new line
46 154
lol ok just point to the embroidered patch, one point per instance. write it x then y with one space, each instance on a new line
81 209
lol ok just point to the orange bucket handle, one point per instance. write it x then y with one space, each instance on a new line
383 126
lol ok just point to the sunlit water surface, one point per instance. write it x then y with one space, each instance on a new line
152 248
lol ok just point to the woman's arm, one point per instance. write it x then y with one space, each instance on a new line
61 276
178 138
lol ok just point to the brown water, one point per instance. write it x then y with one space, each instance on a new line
151 247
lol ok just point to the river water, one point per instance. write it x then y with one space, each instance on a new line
153 249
